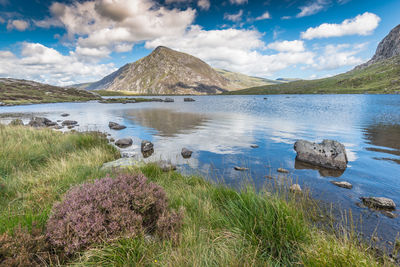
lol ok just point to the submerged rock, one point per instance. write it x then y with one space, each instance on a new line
237 168
254 146
346 185
379 203
188 99
329 154
116 126
69 123
41 122
282 170
64 115
186 153
16 122
295 188
124 142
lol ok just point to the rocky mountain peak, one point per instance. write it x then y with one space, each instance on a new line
387 48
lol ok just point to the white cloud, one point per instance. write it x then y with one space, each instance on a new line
312 8
363 24
238 2
204 4
233 49
18 24
234 17
106 24
287 46
40 63
266 15
336 56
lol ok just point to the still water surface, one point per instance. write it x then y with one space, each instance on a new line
221 129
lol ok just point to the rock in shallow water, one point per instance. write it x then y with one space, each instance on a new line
116 126
295 188
69 123
188 99
40 122
282 170
346 185
379 203
186 153
237 168
328 154
124 142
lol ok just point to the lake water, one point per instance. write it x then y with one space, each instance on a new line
221 129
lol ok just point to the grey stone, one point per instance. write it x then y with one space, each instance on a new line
328 154
120 163
346 185
124 142
188 99
116 126
166 166
282 170
69 123
64 115
295 188
186 153
168 99
237 168
254 146
146 146
379 202
40 122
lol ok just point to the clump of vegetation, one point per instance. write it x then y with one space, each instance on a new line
108 208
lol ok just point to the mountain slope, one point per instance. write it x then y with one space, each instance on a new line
166 71
13 91
381 74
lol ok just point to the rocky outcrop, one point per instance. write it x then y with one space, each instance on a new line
124 142
69 123
116 126
186 153
38 122
346 185
328 154
389 47
379 203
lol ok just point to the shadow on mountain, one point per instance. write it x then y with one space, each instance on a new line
168 123
387 139
199 87
299 165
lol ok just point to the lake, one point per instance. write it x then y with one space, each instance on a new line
221 129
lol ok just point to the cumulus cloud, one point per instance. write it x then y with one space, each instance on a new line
18 24
266 15
204 4
40 63
363 24
312 8
336 56
105 24
287 46
233 49
234 17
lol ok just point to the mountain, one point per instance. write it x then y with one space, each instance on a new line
166 71
14 91
381 74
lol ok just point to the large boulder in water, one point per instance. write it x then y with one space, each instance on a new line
41 122
328 154
116 126
124 142
379 203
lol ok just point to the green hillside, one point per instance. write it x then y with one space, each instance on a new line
380 77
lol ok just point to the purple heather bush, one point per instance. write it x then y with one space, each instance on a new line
108 208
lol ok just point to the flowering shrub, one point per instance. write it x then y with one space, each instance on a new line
109 208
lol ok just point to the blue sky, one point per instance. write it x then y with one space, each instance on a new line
66 42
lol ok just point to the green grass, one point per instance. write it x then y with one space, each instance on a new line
379 78
19 92
38 166
222 226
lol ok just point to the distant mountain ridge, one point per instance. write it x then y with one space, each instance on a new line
381 74
166 71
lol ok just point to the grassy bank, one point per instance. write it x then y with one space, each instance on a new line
222 227
20 92
379 78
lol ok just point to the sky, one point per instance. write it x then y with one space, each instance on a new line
68 42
